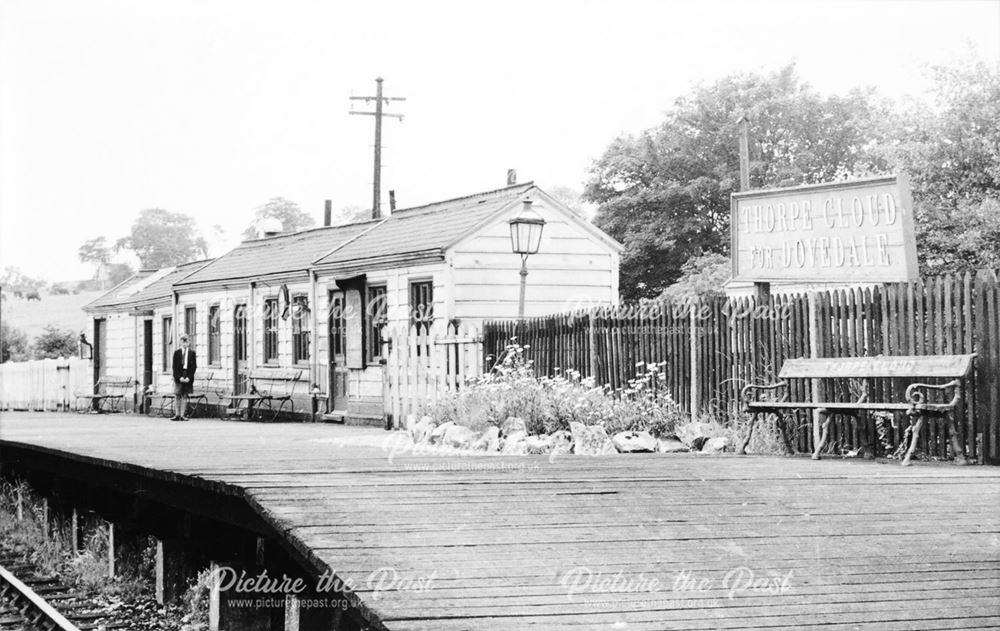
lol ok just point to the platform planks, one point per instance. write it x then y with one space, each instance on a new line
507 543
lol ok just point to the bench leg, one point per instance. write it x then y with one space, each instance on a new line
913 439
956 446
746 439
824 432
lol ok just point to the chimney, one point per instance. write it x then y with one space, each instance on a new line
328 213
511 177
268 227
392 201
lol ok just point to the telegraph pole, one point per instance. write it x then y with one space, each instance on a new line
378 114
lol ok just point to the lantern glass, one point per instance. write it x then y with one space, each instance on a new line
526 231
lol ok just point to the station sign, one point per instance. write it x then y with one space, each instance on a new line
855 231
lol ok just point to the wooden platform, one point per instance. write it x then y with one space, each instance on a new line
577 543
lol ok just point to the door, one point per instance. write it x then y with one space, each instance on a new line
240 366
147 358
338 351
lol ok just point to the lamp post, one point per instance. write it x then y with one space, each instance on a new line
525 237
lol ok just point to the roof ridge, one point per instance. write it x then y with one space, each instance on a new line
484 194
307 230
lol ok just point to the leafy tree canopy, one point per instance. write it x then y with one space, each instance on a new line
951 151
54 343
292 217
665 193
161 238
13 344
95 251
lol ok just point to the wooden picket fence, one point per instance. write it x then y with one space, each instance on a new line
425 363
44 384
710 349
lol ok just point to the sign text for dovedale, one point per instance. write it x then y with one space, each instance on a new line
846 231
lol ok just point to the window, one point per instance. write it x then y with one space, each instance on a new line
191 323
376 318
270 330
422 304
214 335
240 333
301 329
168 344
338 324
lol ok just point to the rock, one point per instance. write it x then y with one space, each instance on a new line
699 442
671 446
515 444
562 442
459 437
591 440
437 436
634 442
688 434
715 445
422 430
513 424
541 444
489 441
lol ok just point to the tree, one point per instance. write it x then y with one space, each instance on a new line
54 343
161 238
287 212
701 276
13 344
665 192
951 151
95 251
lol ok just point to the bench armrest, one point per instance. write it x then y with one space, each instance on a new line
916 392
748 394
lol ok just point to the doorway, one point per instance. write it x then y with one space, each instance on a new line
338 351
147 360
240 366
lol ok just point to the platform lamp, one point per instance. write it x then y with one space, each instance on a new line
525 237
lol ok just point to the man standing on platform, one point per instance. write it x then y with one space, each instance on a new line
185 364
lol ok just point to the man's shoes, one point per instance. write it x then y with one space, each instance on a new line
176 418
185 418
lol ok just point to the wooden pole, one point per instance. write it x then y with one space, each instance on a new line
695 375
111 550
814 352
214 597
744 123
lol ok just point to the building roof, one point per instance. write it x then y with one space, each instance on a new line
119 293
282 254
423 229
147 287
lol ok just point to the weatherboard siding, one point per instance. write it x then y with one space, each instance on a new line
573 269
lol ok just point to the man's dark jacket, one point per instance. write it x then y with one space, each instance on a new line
179 363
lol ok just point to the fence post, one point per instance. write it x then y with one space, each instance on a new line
592 342
814 352
695 374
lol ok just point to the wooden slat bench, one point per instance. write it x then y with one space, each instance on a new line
270 390
109 392
773 398
197 402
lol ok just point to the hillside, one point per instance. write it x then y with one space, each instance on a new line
63 311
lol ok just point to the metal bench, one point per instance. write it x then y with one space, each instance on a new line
773 398
270 390
197 401
109 392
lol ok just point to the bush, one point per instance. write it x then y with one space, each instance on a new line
549 404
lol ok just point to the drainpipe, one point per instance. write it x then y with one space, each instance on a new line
314 342
251 330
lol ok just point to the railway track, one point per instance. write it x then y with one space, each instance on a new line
32 602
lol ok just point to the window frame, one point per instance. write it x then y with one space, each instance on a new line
376 297
301 336
426 318
191 323
270 334
215 336
167 343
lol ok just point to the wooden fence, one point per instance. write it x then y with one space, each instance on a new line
44 384
424 364
712 348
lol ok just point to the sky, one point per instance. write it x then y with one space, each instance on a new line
213 108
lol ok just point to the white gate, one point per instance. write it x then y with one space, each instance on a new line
44 384
425 364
